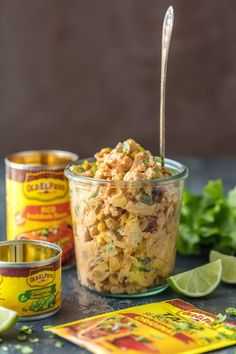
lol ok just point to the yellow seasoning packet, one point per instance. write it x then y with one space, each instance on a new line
172 326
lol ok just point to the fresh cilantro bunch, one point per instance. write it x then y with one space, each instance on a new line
208 220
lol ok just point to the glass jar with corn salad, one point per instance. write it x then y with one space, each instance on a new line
125 211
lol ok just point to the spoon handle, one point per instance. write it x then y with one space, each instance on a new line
166 36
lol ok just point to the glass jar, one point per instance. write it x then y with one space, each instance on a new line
125 231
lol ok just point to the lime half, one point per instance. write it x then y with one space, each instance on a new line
7 319
197 282
228 266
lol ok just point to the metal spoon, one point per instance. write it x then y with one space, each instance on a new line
166 36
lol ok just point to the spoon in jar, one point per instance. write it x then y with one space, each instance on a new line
166 36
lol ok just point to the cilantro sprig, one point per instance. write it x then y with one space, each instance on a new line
208 220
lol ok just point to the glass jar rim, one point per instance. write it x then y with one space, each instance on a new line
180 169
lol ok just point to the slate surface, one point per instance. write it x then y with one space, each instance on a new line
79 303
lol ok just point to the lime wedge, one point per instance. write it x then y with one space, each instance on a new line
228 266
7 319
197 282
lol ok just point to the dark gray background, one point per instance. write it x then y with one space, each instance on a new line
80 75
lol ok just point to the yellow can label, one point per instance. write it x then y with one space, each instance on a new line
38 207
31 291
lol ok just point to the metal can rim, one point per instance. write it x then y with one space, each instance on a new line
22 166
4 264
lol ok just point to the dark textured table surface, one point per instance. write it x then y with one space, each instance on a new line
79 303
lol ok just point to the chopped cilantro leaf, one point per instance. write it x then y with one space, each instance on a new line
58 344
231 311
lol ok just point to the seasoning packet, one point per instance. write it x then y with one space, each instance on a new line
172 326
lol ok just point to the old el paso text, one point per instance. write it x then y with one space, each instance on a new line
45 187
40 277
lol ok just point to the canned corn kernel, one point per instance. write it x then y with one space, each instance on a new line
37 198
30 278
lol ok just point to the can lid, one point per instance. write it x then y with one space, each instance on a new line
28 253
40 159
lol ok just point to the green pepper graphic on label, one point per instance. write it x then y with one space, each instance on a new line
41 299
43 304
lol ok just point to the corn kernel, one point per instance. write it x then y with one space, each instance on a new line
102 226
106 150
132 154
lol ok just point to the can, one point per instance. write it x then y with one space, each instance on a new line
37 198
30 278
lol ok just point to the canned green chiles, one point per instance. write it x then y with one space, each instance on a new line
30 278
